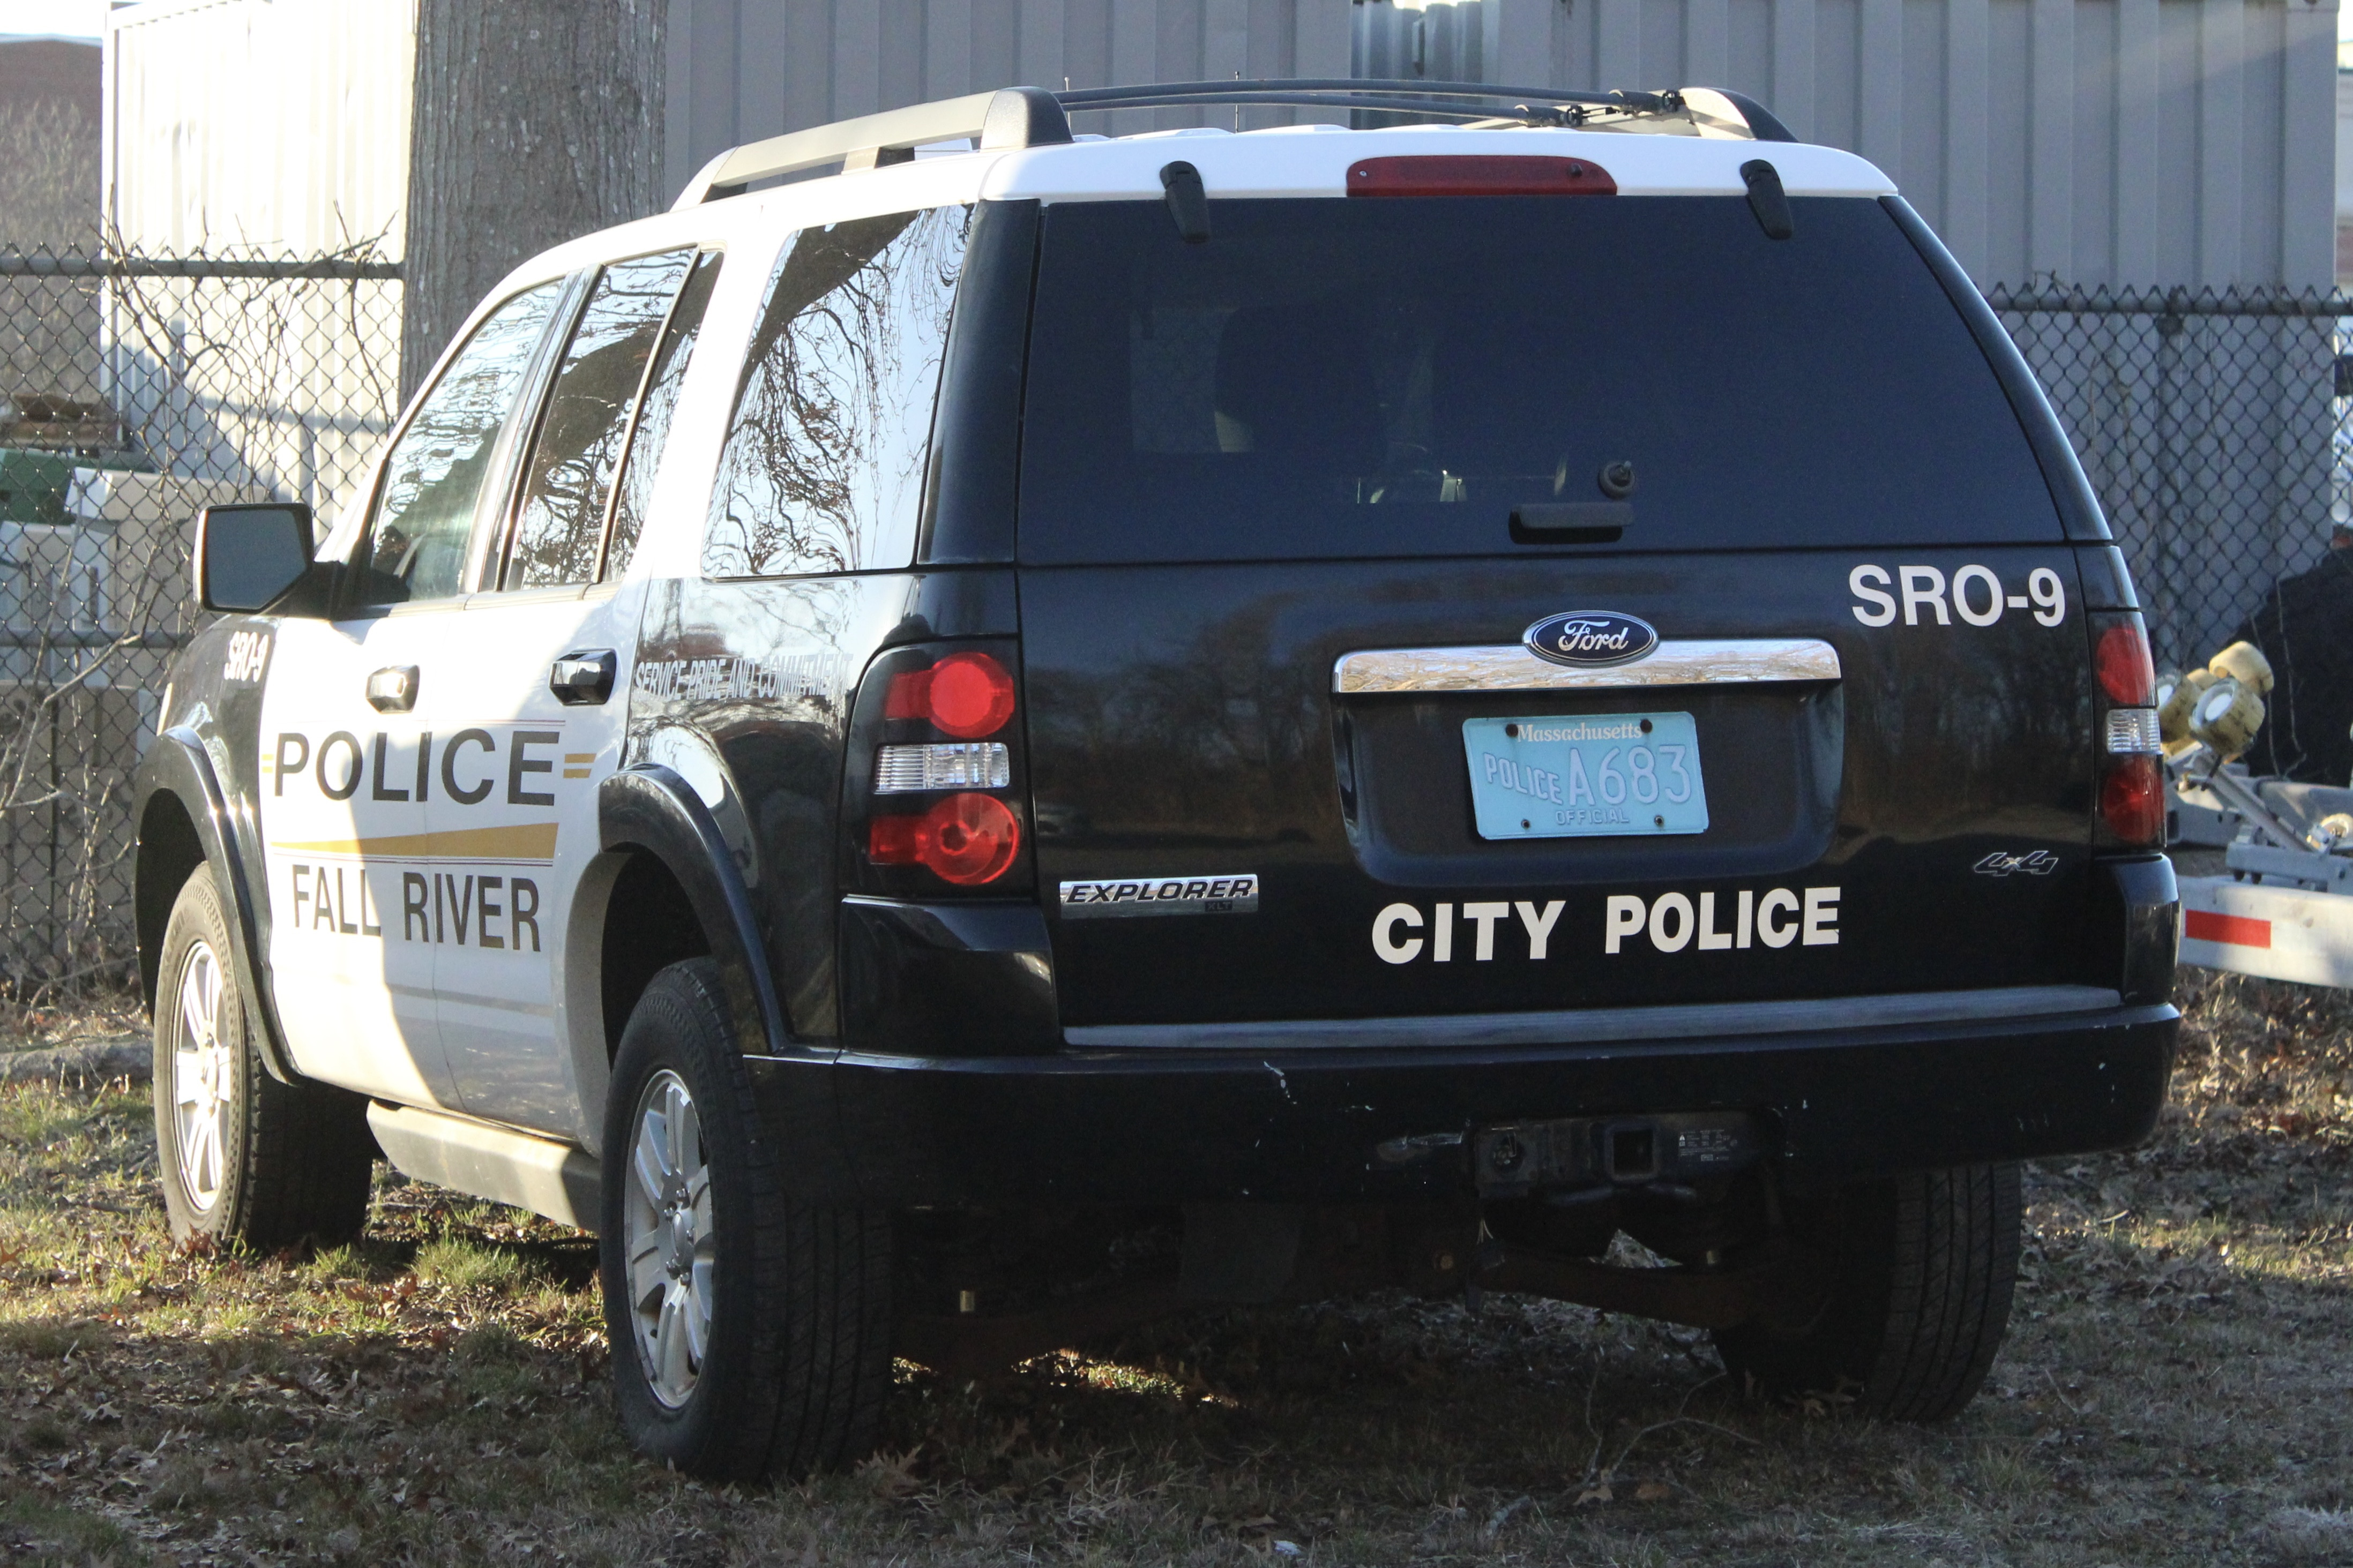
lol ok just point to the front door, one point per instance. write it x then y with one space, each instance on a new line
348 749
337 811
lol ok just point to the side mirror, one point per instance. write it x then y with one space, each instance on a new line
248 556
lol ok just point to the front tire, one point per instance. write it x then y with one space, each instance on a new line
1919 1272
750 1330
247 1160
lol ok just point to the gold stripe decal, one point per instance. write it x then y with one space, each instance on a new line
530 841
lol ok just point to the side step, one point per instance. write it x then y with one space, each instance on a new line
536 1174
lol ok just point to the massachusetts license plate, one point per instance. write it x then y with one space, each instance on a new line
1598 774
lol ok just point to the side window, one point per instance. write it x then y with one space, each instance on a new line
823 469
569 478
635 491
415 547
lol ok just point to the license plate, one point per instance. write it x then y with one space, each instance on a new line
1575 776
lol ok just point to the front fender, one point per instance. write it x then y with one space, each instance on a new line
649 807
178 763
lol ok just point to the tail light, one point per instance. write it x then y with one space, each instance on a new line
935 787
967 695
2131 776
2127 676
2132 799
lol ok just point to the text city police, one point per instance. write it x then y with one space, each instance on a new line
1672 922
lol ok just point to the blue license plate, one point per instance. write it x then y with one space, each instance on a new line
1574 776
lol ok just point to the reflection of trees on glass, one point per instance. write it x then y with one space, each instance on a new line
578 446
824 465
417 539
635 489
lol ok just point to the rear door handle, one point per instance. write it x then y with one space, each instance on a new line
393 689
583 677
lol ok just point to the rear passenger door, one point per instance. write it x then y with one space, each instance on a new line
537 666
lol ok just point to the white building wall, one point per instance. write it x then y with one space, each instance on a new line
276 123
2143 143
277 128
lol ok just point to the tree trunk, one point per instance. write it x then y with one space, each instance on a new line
534 122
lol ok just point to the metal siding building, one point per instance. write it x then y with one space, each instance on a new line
2141 142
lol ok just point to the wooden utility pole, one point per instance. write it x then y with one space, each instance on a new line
534 122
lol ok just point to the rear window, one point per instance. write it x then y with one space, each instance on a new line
1352 378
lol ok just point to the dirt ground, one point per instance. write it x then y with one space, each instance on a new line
2174 1390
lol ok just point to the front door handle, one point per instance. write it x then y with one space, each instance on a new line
393 689
583 677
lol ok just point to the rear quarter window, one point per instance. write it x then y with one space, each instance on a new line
823 467
1336 378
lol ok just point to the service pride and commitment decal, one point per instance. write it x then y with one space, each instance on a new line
1231 895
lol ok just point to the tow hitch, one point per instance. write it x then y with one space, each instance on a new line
1667 1155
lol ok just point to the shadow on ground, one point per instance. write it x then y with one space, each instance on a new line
2174 1392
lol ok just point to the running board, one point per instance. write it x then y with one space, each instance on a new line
484 1162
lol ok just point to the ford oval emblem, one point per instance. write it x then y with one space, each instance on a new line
1592 638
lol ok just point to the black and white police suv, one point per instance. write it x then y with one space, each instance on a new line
1037 729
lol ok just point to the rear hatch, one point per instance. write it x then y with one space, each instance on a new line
1291 497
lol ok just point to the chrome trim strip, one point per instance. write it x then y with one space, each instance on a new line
1695 662
1599 1026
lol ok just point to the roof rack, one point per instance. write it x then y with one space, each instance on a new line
1033 117
1713 109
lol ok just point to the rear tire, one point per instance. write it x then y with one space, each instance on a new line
751 1332
1921 1268
247 1160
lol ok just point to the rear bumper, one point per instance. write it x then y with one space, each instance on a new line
1169 1126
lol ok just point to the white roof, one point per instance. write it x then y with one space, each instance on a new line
1313 161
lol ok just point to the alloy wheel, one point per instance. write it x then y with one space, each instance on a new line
203 1079
672 1254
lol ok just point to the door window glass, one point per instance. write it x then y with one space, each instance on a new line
823 469
635 491
425 513
578 449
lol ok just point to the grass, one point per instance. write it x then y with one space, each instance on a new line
2174 1391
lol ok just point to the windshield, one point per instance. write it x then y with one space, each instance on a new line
1348 378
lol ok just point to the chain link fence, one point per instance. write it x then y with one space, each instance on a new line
135 390
2214 428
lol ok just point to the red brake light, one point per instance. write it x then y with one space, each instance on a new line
2132 799
2126 674
1479 176
967 695
966 839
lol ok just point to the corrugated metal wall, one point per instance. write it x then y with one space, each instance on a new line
740 70
249 122
2145 142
